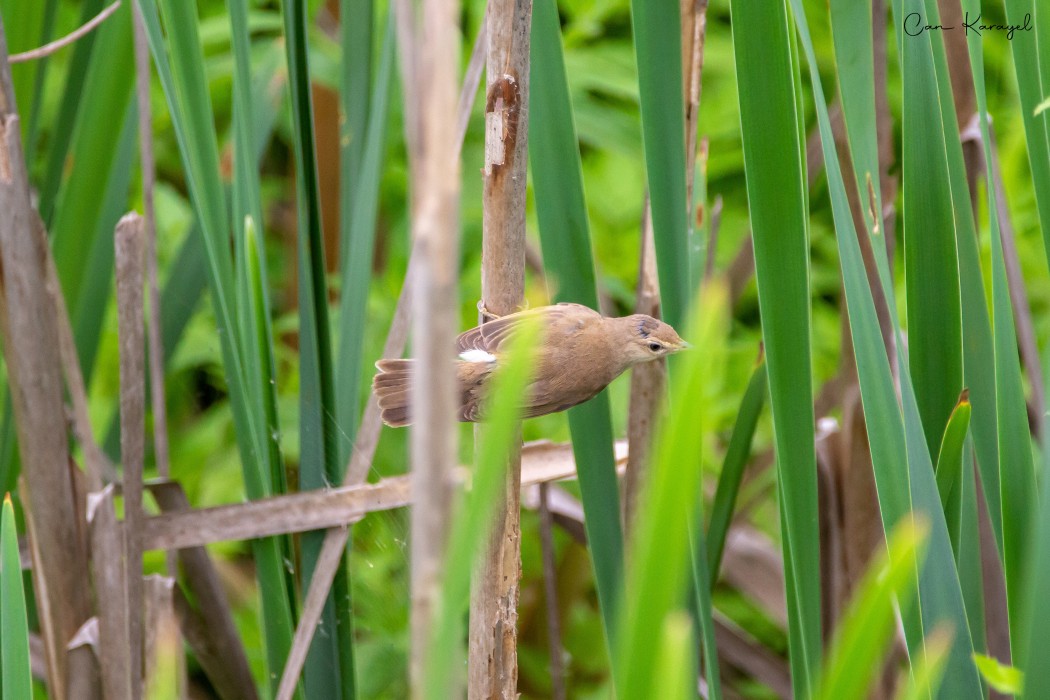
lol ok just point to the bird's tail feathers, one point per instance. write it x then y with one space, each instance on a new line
392 387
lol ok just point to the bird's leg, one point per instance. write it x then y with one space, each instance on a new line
484 315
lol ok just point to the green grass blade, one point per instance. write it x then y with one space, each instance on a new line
658 48
356 29
180 67
950 455
96 269
657 577
778 206
930 254
658 570
358 234
32 123
733 467
566 239
927 673
1003 678
675 670
701 578
329 669
65 123
14 630
23 25
470 525
253 302
1030 645
104 105
903 468
1032 66
856 652
1015 454
852 30
851 25
968 551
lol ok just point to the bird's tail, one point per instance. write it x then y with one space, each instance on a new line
391 386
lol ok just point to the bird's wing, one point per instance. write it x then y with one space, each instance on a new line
490 337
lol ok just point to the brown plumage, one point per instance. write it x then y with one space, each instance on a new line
579 354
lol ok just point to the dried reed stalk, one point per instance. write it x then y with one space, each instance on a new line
108 574
648 380
34 369
129 247
435 226
493 654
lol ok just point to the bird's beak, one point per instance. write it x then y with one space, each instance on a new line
685 346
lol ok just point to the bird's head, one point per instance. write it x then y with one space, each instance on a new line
645 338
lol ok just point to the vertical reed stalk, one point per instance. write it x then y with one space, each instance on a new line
647 380
435 224
493 652
34 373
129 247
158 405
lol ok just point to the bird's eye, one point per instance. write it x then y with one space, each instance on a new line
655 347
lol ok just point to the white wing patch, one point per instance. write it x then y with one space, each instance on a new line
476 355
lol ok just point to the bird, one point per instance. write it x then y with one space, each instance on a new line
579 353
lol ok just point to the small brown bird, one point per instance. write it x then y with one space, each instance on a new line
580 352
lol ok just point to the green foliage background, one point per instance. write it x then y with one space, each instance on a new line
603 80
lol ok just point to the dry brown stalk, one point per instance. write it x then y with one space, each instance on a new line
435 227
108 574
83 663
493 654
30 338
129 247
155 346
178 527
647 379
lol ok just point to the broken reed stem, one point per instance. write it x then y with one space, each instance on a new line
129 243
34 372
493 654
156 347
435 226
648 380
109 576
694 24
